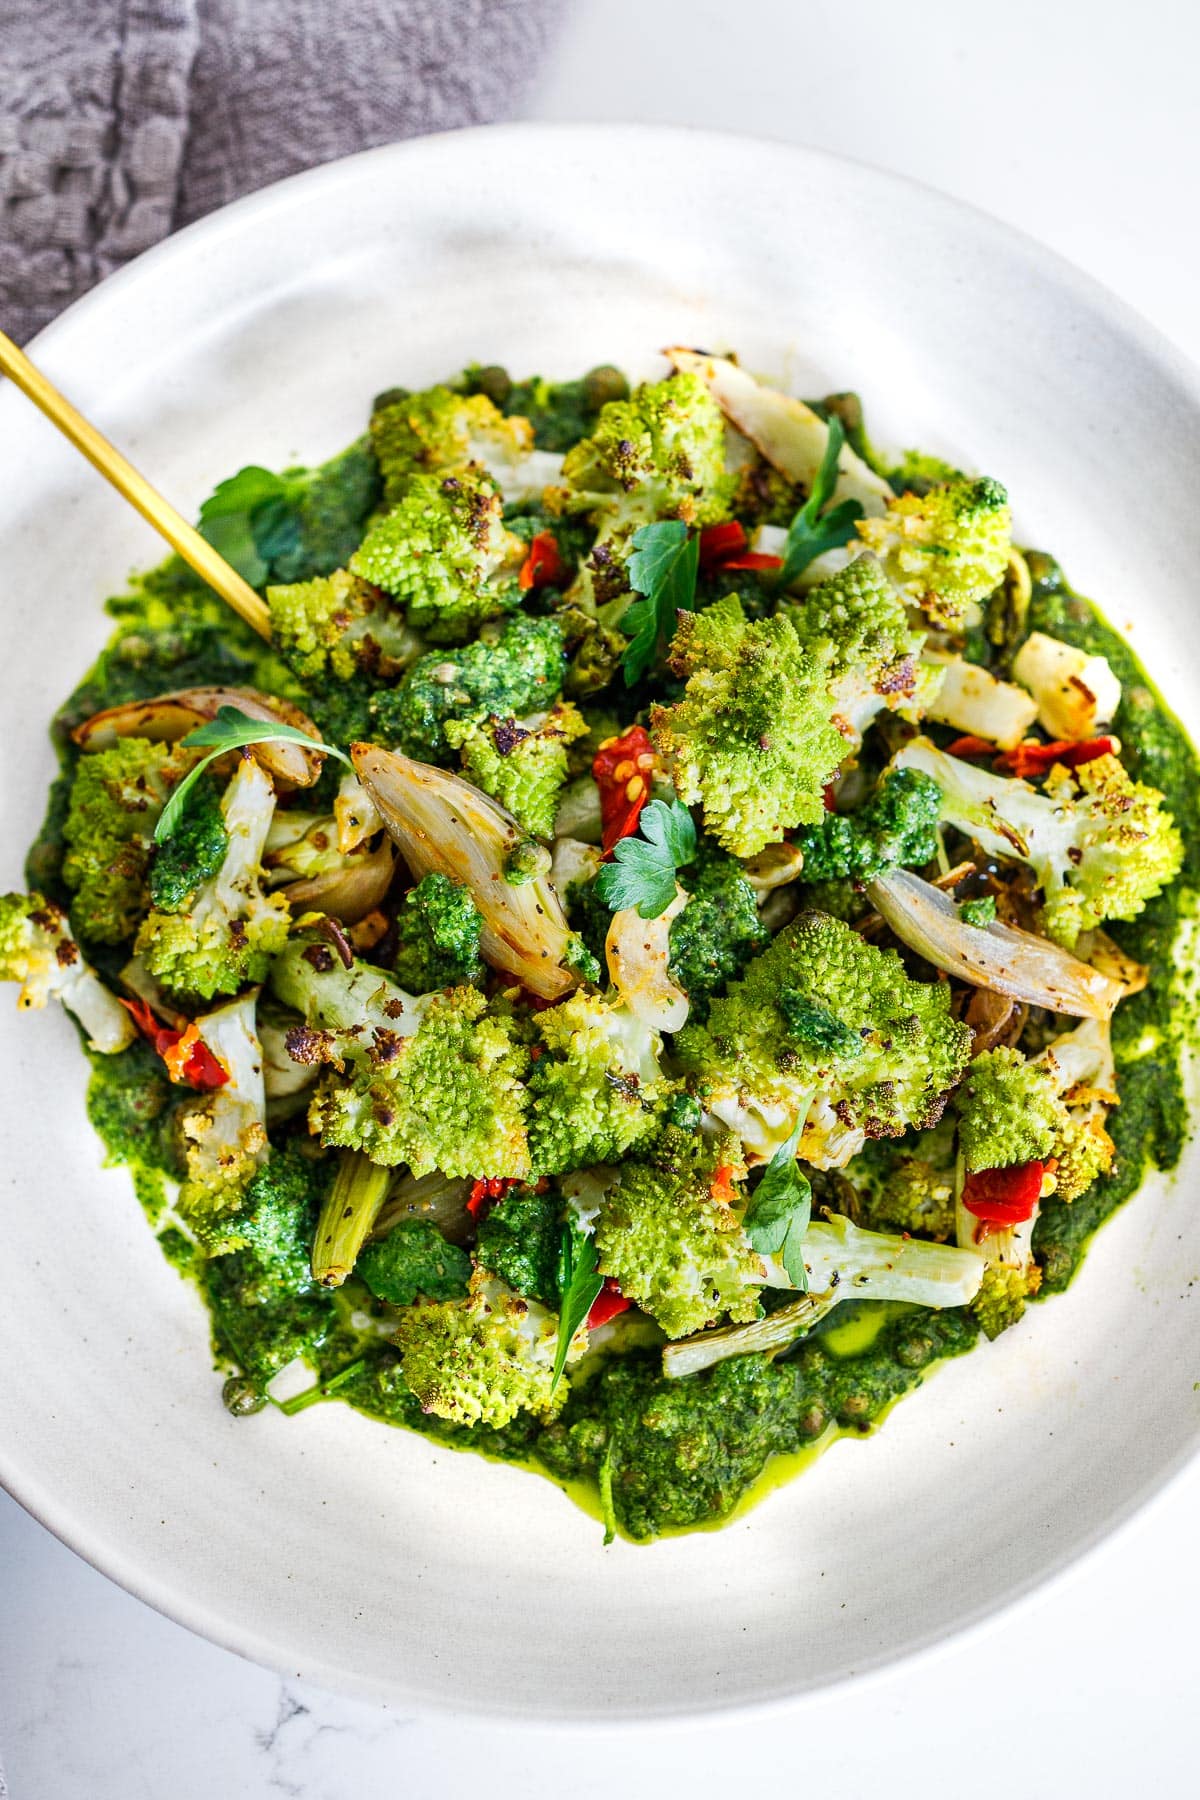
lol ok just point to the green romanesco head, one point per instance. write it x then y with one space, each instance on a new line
224 1146
438 929
337 625
26 950
441 432
1083 1151
1008 1111
450 1096
484 1359
895 829
718 930
758 1054
116 798
523 766
414 1259
673 1241
444 553
946 550
520 671
855 621
596 1090
663 448
207 950
1003 1292
1125 850
752 740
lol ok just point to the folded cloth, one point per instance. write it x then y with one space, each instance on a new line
120 119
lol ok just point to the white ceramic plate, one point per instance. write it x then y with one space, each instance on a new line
367 1558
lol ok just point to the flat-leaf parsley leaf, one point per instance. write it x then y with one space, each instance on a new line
642 872
662 568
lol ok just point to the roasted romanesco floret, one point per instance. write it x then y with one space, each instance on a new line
444 553
484 1359
522 763
116 798
658 455
227 931
438 929
337 625
946 550
825 1027
37 949
1099 843
855 623
670 1233
442 432
596 1089
1008 1111
519 671
752 741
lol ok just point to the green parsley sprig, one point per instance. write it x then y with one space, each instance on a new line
813 531
780 1210
642 872
232 729
578 1286
663 569
251 518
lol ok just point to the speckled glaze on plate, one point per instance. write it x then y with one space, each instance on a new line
370 1559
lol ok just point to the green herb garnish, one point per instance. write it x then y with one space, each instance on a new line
578 1286
813 531
780 1210
242 518
642 872
232 729
663 569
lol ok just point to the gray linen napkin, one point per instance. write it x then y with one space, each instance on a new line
120 119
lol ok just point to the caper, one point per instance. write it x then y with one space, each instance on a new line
495 381
241 1397
602 384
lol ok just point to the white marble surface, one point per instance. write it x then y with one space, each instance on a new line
1078 124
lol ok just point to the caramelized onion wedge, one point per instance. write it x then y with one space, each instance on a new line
349 893
441 823
638 952
1016 963
168 717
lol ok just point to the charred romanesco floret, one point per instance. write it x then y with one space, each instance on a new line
520 672
37 949
1099 843
946 550
752 740
484 1359
780 1045
1003 1292
116 798
444 553
448 1096
336 626
895 828
441 432
658 455
856 624
520 763
596 1090
718 930
224 1132
229 929
1008 1111
670 1233
438 929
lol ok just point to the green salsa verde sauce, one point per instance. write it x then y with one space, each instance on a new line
646 1455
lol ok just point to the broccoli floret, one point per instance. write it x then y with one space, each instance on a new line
752 739
520 1238
520 672
414 1259
658 455
759 1077
224 1132
116 798
1099 843
37 949
896 828
718 930
522 764
856 624
230 929
337 625
946 550
443 551
441 432
277 1217
596 1090
438 932
673 1241
482 1359
193 853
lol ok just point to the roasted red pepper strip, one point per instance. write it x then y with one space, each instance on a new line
1004 1196
721 1186
719 541
608 1303
189 1061
1035 759
486 1191
971 746
544 566
622 769
753 559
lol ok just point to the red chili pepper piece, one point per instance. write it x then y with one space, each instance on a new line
608 1303
622 770
486 1191
721 1186
544 566
971 746
719 541
753 559
1004 1196
829 797
1035 759
189 1061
